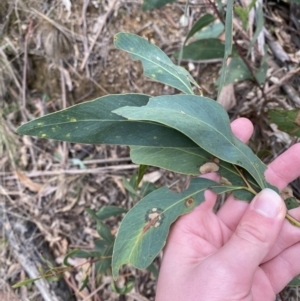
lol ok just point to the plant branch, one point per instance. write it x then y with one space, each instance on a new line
245 180
292 220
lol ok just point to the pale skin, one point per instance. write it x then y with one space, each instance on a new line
245 252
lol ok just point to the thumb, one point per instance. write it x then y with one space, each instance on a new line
256 233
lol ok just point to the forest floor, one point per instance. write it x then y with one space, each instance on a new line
57 53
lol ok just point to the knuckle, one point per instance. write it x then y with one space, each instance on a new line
251 233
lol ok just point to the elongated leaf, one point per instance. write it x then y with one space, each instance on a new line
261 73
93 122
70 254
236 71
294 282
108 211
105 248
188 161
211 31
291 203
157 65
206 123
228 43
104 232
203 50
243 14
142 170
151 4
25 282
201 23
287 121
144 230
259 26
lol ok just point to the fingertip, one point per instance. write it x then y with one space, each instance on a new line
285 168
242 128
211 176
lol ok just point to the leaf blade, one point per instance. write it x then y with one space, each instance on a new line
228 43
93 122
157 65
200 23
191 115
144 229
204 49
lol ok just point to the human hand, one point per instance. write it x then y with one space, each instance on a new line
245 251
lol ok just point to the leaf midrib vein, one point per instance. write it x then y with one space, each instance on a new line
144 58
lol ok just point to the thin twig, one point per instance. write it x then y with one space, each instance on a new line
282 81
23 257
97 34
24 81
72 171
292 220
64 106
84 31
27 37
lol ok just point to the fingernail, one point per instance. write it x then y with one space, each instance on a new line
267 203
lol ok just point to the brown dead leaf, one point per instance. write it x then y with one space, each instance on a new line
152 177
28 183
208 167
8 296
297 120
227 97
119 183
69 206
287 192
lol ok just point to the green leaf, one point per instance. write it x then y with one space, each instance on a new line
201 23
93 122
151 4
105 248
104 233
84 283
157 65
108 211
142 169
153 269
259 26
236 71
243 15
291 203
261 73
144 229
25 282
70 254
206 123
295 281
287 121
203 50
211 31
147 188
129 186
92 213
188 161
228 43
